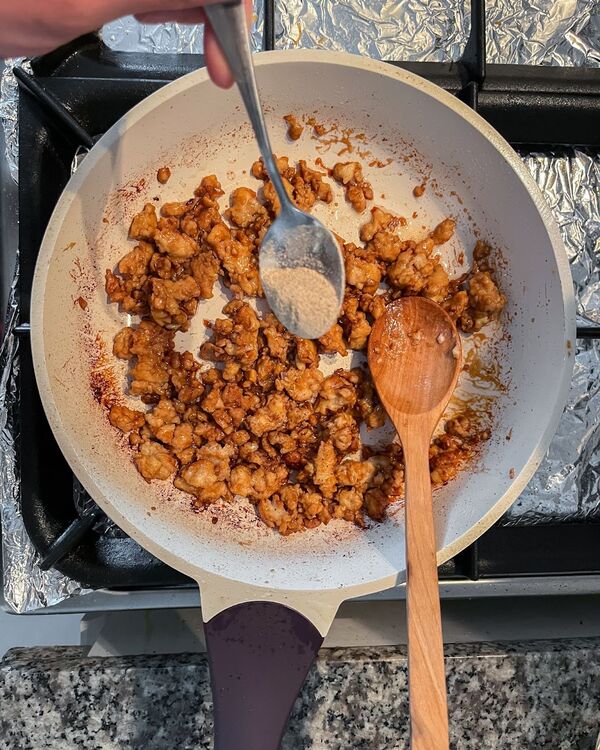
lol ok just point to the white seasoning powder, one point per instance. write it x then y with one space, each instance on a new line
303 300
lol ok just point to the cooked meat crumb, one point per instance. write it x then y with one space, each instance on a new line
295 128
163 175
264 422
358 190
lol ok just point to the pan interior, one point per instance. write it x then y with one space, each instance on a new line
196 129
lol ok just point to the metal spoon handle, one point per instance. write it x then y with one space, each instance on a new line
228 21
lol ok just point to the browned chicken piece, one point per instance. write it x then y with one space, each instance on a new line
267 372
163 175
314 179
185 376
343 432
482 256
456 305
206 477
302 385
154 461
174 209
128 292
486 302
205 270
338 392
176 245
333 342
314 509
209 190
283 167
234 338
411 270
306 353
278 339
151 345
459 426
386 246
437 285
238 259
373 304
368 406
358 190
143 225
305 186
379 221
259 483
355 324
123 343
246 210
126 419
274 513
136 262
272 416
484 295
446 457
355 474
173 303
295 128
349 503
325 463
443 232
362 270
376 501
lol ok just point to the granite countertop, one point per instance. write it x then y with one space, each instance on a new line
542 695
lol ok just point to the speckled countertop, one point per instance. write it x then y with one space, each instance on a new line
542 695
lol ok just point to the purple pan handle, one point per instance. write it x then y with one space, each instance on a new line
259 655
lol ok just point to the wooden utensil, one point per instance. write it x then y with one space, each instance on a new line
415 357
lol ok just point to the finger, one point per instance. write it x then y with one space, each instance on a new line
188 15
215 60
216 64
139 7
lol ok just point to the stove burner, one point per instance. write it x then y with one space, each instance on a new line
83 89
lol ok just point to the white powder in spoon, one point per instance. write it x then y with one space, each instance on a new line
303 300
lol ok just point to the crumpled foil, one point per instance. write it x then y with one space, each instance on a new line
128 35
8 112
558 32
26 585
567 484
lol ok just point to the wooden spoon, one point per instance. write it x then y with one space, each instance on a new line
415 358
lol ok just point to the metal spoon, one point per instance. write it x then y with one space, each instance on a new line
415 359
294 240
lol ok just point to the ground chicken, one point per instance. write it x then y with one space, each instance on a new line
264 423
358 190
126 419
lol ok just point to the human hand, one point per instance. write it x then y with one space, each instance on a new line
32 27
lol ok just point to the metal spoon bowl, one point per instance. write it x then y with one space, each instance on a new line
295 239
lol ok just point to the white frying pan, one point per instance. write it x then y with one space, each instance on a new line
260 652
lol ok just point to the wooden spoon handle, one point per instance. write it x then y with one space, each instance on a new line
426 673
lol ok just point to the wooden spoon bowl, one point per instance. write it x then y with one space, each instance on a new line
415 357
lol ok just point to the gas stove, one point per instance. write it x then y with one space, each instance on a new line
72 97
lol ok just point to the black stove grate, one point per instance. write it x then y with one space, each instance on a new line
535 108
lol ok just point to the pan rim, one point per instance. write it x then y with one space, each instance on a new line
326 58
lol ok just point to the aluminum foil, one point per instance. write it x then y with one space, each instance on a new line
8 112
128 35
26 586
561 32
567 484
